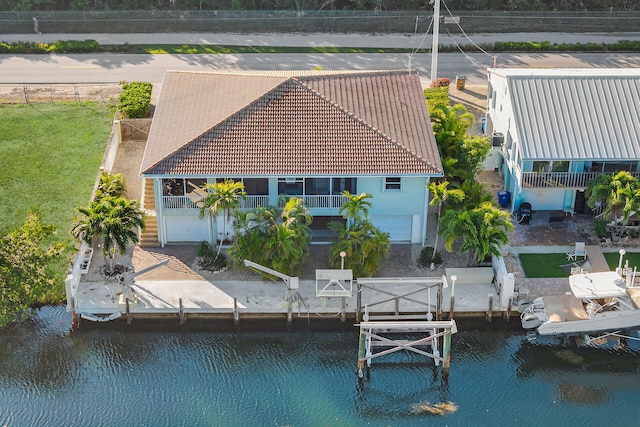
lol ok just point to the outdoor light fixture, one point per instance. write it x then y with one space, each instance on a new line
342 255
621 252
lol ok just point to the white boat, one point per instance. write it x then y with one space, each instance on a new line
598 302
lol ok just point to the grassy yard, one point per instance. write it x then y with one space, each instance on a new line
544 265
613 258
49 157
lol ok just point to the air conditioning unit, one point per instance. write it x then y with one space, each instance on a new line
497 139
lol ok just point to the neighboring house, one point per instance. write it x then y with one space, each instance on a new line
560 128
305 134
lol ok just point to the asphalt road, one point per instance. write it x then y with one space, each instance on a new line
113 68
108 68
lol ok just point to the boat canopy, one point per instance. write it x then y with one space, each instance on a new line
608 284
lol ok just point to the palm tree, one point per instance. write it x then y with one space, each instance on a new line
619 193
482 230
475 194
440 195
115 220
450 125
225 197
356 209
365 247
276 238
451 120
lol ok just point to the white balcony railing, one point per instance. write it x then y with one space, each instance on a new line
560 179
252 202
194 202
319 201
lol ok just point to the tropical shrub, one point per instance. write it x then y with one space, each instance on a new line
441 82
277 238
135 100
428 255
365 245
110 185
436 96
24 279
113 220
599 227
209 258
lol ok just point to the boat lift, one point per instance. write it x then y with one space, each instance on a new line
378 334
126 297
291 296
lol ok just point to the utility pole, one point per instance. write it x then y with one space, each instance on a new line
436 33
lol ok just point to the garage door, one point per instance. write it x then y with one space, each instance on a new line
398 227
544 200
186 229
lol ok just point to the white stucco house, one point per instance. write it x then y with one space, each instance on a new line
283 134
556 129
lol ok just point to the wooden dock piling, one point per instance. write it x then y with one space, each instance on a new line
489 314
509 307
181 314
128 311
452 303
446 351
236 314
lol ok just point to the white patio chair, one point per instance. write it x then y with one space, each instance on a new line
578 251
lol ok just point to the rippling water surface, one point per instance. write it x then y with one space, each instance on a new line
127 377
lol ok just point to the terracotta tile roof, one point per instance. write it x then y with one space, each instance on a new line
347 124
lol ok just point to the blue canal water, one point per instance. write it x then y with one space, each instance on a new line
300 377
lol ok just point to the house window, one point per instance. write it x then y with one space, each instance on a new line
541 166
290 186
256 186
393 183
342 184
560 166
317 186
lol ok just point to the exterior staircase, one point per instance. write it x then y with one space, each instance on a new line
149 237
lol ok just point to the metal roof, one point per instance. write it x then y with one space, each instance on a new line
576 114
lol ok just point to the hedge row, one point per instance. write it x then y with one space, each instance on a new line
135 100
87 46
68 46
621 45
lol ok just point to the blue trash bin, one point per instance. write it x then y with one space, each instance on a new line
504 197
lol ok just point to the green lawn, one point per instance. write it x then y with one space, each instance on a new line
613 258
544 265
49 159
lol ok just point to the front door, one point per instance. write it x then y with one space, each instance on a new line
580 205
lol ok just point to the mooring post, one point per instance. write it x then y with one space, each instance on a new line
75 320
236 315
343 310
446 350
490 309
129 316
509 304
452 303
181 315
289 314
358 302
361 354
